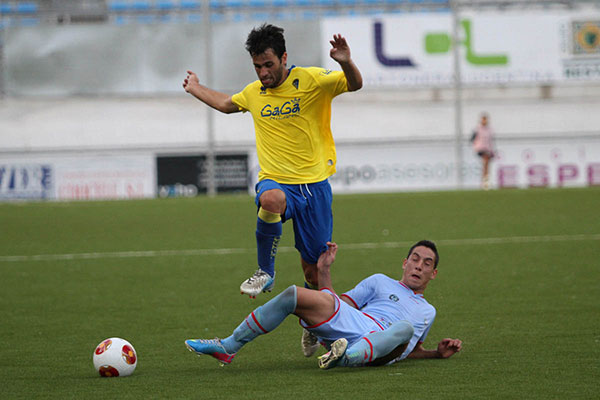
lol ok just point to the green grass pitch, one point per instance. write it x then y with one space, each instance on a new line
518 282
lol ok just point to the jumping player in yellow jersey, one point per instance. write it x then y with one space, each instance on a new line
291 108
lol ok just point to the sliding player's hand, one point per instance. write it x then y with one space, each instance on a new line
328 257
448 347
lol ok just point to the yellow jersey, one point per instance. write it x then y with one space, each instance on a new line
292 124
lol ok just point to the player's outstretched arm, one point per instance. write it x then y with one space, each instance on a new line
324 265
340 52
217 100
446 348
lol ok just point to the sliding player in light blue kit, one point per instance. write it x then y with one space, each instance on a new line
380 321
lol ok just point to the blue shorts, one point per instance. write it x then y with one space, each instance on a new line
346 322
309 207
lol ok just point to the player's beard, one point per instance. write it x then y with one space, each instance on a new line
277 78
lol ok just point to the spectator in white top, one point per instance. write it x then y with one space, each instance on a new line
483 145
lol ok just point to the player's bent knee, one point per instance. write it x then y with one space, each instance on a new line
288 298
402 331
273 200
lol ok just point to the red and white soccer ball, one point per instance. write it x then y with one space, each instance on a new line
115 357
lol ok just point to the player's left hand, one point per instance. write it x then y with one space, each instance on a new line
340 50
447 347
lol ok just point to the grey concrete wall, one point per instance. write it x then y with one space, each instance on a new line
137 59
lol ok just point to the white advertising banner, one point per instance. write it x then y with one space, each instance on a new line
399 167
413 167
549 164
77 177
494 47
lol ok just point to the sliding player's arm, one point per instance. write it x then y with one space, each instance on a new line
446 348
324 266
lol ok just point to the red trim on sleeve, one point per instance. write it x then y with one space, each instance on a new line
351 299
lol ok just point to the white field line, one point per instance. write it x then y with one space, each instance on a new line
347 246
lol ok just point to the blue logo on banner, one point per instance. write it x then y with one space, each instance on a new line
26 181
382 57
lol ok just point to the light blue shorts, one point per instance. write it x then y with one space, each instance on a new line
309 207
346 322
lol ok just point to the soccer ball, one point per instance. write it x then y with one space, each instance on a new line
115 357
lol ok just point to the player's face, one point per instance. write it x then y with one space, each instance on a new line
419 268
271 70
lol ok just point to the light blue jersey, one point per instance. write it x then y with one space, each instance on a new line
387 300
379 301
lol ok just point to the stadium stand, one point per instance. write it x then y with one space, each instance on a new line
19 13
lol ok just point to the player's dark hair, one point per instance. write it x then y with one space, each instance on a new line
429 244
265 37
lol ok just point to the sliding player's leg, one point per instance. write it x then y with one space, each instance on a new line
378 348
310 305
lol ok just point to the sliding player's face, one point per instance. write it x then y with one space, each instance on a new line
270 69
419 268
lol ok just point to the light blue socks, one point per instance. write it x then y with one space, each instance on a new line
262 320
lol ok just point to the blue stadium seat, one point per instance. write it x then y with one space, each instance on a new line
257 3
217 17
140 5
165 5
118 6
303 3
120 20
167 19
194 18
27 8
233 3
29 21
145 19
6 8
216 4
190 4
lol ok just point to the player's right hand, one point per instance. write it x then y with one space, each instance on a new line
328 257
190 81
